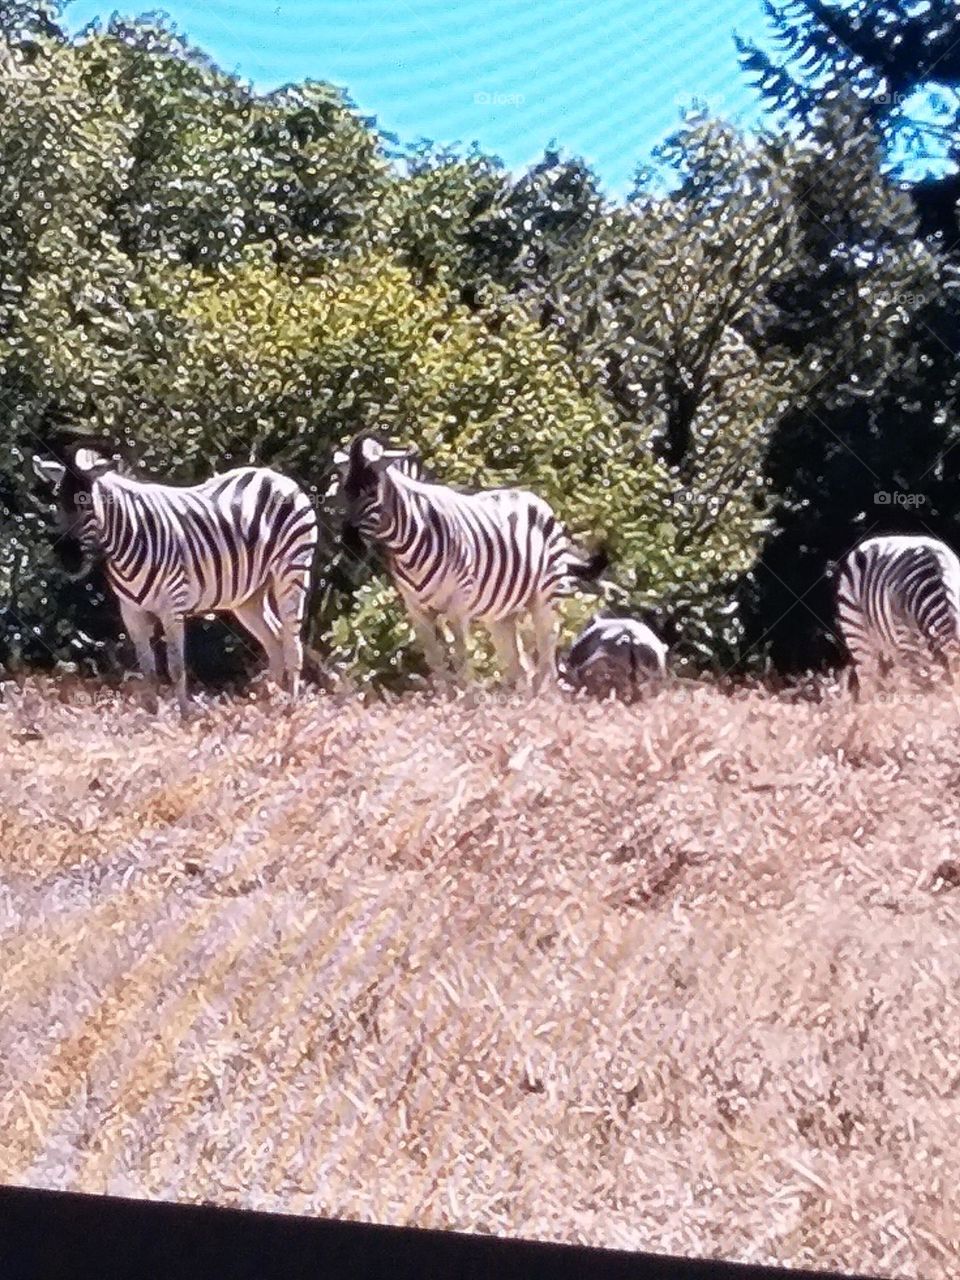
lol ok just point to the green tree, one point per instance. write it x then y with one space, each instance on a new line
661 312
868 311
124 155
900 62
276 367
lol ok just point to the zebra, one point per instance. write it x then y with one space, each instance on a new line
406 461
898 593
615 654
490 556
242 542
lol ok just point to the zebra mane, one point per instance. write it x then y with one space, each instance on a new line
410 465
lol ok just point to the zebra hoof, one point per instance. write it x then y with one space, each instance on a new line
442 684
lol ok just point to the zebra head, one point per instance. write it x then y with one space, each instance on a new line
362 467
87 459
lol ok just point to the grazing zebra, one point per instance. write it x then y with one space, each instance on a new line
899 593
242 542
615 654
490 556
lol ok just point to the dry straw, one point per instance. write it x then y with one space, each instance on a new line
681 976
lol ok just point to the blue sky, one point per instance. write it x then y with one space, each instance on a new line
605 79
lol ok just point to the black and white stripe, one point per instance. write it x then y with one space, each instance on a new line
491 556
899 595
618 655
242 542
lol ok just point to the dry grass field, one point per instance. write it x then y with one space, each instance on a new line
680 977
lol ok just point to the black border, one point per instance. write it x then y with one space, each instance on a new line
48 1234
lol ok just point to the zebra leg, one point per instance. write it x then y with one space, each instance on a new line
258 618
872 669
291 606
884 665
140 626
853 681
504 636
867 666
282 606
426 632
461 662
946 656
173 632
545 630
941 657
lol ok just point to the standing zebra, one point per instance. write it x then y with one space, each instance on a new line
490 556
899 593
242 542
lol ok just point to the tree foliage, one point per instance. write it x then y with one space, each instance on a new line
716 377
899 62
870 309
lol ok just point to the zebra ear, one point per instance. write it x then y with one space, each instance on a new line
50 473
378 457
372 451
91 462
341 465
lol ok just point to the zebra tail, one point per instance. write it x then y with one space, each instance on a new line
591 568
612 590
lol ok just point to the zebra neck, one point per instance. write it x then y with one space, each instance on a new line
111 529
406 517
